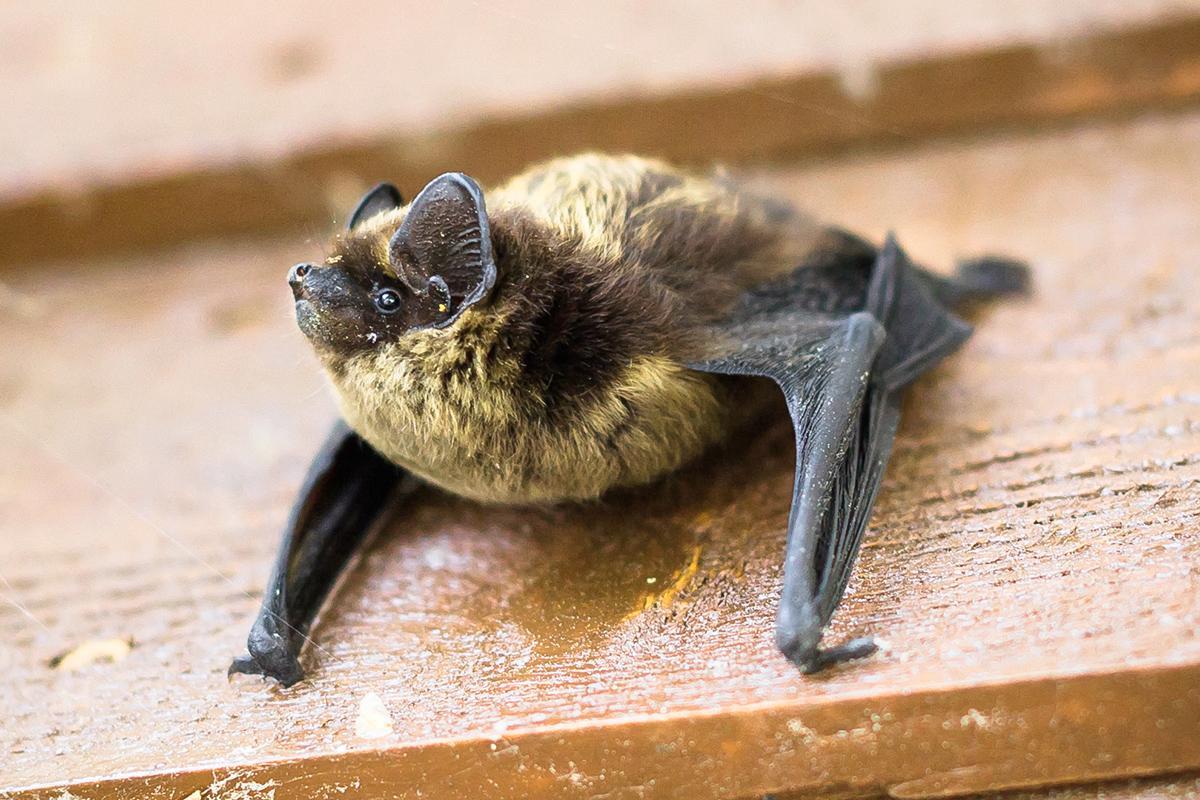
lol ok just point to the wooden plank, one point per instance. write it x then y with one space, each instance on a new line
1032 562
139 163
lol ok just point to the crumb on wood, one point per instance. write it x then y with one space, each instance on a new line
374 720
91 652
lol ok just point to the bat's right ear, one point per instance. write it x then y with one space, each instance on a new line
444 245
383 197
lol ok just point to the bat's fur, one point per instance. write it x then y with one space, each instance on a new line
569 379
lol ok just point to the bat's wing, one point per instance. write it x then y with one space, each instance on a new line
345 491
841 372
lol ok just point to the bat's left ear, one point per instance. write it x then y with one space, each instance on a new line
444 244
383 197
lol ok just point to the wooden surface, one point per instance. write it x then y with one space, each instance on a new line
256 119
1032 563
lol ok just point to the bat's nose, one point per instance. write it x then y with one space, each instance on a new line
296 278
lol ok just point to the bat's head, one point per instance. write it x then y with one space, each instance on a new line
398 268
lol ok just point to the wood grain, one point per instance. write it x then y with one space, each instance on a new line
157 142
1032 562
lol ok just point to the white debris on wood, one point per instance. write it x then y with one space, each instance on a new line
374 720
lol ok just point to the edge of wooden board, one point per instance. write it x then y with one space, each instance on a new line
936 742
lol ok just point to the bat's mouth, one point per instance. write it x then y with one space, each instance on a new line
324 327
307 318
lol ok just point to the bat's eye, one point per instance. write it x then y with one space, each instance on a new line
387 301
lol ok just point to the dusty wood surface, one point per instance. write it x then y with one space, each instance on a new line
1032 562
256 120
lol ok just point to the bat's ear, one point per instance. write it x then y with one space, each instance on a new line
445 245
383 197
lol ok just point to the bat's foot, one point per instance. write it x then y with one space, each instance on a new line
850 651
798 636
269 658
812 659
992 276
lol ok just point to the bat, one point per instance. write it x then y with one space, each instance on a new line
593 323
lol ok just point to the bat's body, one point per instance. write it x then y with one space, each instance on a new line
572 380
591 325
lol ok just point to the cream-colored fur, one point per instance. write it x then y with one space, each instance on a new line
480 435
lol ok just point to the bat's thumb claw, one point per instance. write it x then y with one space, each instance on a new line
812 659
270 657
286 670
850 651
798 633
243 665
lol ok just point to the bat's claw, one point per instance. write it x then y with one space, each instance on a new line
850 651
271 659
812 659
285 673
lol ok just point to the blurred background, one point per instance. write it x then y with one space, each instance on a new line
165 163
145 122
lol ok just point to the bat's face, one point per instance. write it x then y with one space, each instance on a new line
350 302
398 268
